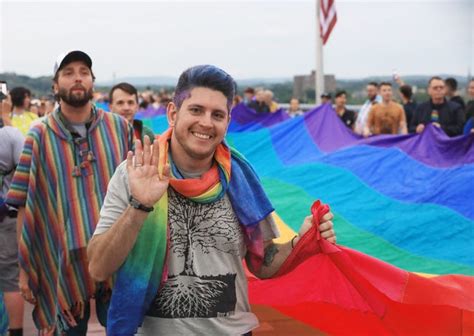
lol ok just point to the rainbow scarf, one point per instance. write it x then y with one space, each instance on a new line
138 279
3 317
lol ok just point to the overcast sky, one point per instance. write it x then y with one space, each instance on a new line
247 38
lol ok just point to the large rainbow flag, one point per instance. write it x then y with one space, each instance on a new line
404 200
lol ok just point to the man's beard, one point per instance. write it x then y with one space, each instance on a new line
75 100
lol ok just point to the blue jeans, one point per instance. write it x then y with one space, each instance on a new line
81 328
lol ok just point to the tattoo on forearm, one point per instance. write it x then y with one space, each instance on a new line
270 252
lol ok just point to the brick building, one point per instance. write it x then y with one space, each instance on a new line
303 85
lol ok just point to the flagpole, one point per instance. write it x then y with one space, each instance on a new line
319 77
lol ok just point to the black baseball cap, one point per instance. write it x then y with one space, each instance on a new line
71 56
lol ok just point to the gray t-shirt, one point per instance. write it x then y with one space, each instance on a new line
80 128
206 290
11 146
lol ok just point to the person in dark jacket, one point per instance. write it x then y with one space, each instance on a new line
470 104
123 99
259 103
347 116
409 106
451 94
439 111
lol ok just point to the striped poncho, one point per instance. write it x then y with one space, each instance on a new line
61 182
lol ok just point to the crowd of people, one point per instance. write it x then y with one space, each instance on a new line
382 114
88 196
82 190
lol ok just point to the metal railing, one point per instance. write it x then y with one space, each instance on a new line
307 107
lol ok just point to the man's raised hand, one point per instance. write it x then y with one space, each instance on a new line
144 181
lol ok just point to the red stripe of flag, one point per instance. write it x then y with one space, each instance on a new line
327 18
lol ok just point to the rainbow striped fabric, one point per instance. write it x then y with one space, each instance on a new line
3 317
138 279
61 182
405 200
402 199
336 283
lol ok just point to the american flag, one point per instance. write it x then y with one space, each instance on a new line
327 18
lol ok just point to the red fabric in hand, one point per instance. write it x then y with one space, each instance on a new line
341 291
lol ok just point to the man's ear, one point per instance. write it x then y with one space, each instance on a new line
171 112
55 88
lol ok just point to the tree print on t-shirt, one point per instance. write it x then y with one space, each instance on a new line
207 229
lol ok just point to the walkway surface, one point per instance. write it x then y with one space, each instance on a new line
272 323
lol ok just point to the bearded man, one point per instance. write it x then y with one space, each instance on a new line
58 188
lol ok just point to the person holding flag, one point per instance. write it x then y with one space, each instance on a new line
180 216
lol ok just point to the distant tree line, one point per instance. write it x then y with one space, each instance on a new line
283 92
40 86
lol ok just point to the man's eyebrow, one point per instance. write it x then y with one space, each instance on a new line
195 105
220 111
201 107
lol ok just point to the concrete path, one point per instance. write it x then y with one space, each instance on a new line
272 323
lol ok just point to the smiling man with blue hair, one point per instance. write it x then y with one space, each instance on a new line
179 218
